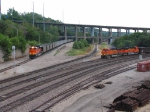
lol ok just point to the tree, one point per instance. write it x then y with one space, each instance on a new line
135 39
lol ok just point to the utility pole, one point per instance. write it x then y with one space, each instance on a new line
33 14
12 13
43 19
63 16
0 9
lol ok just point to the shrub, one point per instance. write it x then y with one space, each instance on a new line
6 45
19 43
22 44
81 44
76 45
33 43
85 42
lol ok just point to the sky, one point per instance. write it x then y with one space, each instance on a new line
131 13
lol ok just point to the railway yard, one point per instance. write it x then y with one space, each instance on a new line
60 83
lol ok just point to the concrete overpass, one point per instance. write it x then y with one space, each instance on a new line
93 27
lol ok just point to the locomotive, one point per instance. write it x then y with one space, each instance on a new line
35 51
113 52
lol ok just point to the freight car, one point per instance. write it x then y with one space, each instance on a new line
35 51
108 53
143 50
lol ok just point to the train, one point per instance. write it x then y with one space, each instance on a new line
35 51
114 52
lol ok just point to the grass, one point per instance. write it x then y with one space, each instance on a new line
84 51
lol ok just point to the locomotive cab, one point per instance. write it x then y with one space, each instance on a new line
35 51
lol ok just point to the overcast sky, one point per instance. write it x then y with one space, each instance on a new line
132 13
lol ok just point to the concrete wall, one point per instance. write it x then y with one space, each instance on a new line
18 54
1 56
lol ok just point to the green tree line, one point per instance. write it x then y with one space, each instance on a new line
135 39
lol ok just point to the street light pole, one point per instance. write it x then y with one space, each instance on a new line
14 54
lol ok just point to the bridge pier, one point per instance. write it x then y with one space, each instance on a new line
127 31
92 34
118 32
100 35
110 32
84 33
65 32
76 32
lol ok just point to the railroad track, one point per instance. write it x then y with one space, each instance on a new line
45 90
51 102
12 66
92 67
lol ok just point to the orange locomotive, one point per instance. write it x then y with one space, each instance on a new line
108 53
35 51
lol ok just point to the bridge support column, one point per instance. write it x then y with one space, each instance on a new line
65 32
84 33
92 35
145 31
127 31
110 32
76 32
100 35
118 32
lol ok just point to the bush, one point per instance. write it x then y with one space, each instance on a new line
85 42
15 42
80 44
33 43
76 45
6 45
19 43
22 44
